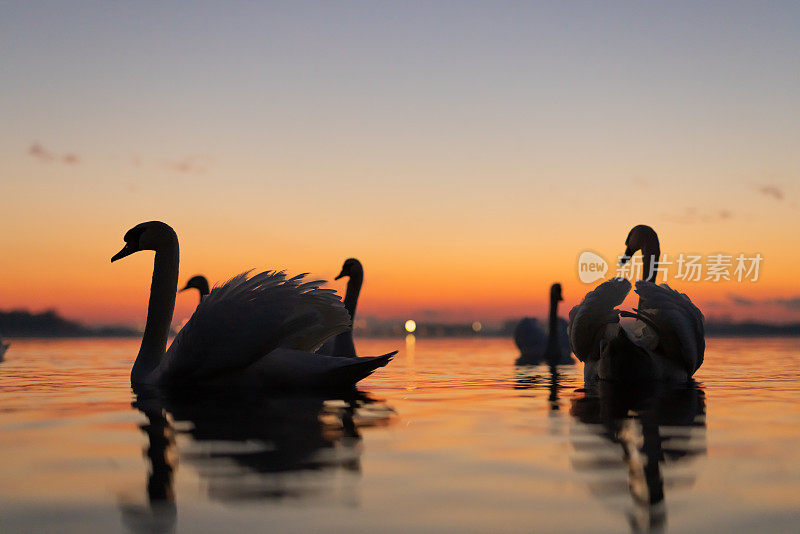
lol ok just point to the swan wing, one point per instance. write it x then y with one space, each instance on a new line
288 368
250 316
679 324
528 335
589 321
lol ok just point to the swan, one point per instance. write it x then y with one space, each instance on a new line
667 341
534 347
3 349
342 345
200 283
252 331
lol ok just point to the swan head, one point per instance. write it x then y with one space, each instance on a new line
151 235
641 237
555 293
352 268
199 283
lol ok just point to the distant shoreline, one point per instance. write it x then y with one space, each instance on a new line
49 324
21 324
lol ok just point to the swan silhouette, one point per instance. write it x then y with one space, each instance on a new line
200 283
3 349
255 331
666 342
534 347
342 344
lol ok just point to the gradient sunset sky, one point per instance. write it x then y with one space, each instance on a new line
466 152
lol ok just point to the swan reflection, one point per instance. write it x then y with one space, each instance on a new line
655 428
253 448
159 514
532 377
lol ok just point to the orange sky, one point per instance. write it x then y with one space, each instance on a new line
467 163
467 277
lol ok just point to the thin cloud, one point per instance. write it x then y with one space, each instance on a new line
692 215
41 153
790 303
771 191
38 151
189 165
740 300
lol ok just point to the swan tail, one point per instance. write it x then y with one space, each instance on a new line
361 367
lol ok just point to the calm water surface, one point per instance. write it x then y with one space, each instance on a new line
451 437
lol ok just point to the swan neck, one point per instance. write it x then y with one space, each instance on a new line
351 294
552 334
650 256
203 289
163 289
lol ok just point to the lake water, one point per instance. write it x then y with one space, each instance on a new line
450 437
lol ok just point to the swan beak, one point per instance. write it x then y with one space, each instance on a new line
127 250
340 275
625 257
184 289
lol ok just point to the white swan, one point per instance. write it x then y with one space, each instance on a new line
534 346
252 331
666 342
342 344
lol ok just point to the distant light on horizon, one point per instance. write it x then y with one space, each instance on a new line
477 326
411 326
